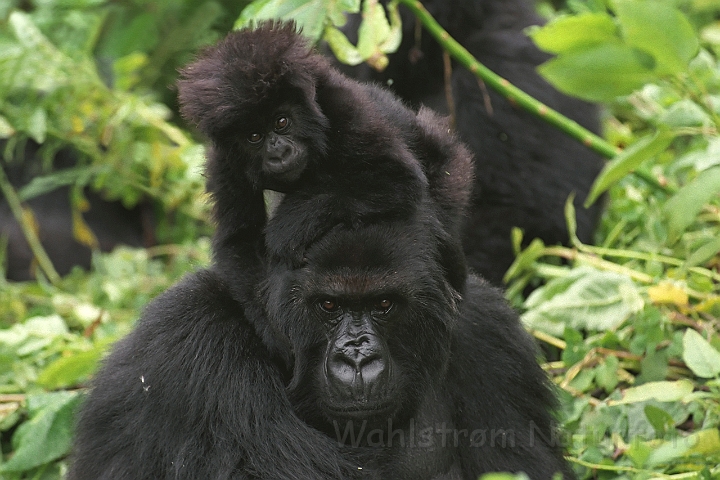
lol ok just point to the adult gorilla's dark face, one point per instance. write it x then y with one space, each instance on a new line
368 322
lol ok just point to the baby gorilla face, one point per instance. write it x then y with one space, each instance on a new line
279 150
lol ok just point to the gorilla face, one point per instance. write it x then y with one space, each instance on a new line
278 145
369 323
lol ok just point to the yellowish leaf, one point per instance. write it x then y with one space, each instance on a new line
668 293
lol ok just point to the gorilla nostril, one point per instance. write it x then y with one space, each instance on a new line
342 368
349 369
371 368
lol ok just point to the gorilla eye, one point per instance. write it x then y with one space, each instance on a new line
282 123
254 137
384 305
329 305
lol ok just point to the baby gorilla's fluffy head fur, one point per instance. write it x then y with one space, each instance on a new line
231 84
254 96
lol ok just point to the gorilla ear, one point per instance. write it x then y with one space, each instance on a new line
307 84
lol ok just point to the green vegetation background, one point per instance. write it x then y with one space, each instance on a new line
630 324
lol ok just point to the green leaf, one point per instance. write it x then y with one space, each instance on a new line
606 374
599 73
47 183
70 371
703 254
584 299
661 30
341 47
37 125
571 220
337 10
6 129
504 476
661 391
682 209
653 366
141 34
25 30
535 250
627 161
685 113
639 452
376 37
660 420
373 30
699 355
703 443
47 436
307 14
568 33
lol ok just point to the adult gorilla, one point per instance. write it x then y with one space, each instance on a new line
367 365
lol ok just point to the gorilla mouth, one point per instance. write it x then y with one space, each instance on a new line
360 411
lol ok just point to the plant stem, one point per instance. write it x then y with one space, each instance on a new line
505 88
28 230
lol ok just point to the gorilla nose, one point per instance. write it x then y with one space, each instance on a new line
356 363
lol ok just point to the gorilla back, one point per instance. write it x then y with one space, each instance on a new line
377 369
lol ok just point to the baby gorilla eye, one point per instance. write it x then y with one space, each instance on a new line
329 305
281 123
254 137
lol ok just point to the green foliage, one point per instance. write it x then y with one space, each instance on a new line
52 338
600 57
318 19
630 324
639 360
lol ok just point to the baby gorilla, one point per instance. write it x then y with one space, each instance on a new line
279 117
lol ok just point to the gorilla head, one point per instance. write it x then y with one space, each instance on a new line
357 317
254 94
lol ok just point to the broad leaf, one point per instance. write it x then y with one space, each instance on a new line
47 436
661 391
341 47
600 73
703 254
307 14
627 161
682 209
699 355
311 15
568 33
69 371
702 443
6 130
685 113
584 299
661 30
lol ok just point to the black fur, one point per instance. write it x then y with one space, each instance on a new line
525 169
